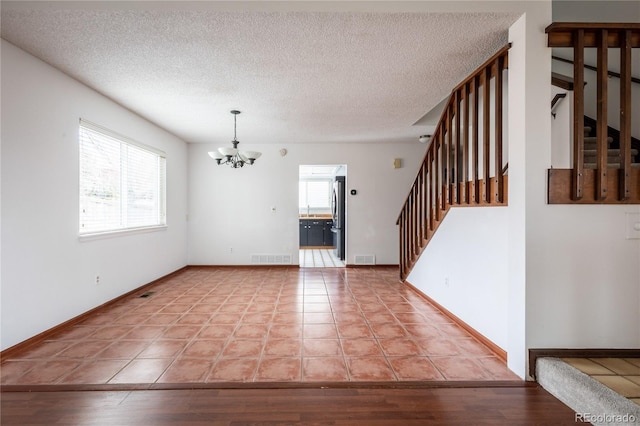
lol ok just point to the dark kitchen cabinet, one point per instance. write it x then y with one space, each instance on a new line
316 233
327 234
304 240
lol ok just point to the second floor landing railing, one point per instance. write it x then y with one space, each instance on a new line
612 179
464 164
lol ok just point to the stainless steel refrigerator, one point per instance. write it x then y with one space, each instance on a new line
339 219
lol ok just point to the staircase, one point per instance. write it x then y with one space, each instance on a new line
464 163
613 154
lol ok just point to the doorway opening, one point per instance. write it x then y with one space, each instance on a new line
322 216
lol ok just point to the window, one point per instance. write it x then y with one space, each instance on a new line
315 193
122 182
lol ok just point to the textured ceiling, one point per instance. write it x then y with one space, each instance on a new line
297 77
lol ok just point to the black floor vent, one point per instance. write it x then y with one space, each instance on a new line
147 294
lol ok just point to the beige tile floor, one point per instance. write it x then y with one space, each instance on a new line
319 258
260 324
619 374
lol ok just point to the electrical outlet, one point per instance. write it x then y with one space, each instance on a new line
446 281
230 249
633 226
97 279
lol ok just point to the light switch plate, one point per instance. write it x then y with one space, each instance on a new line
633 226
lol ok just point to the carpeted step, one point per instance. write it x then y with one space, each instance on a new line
587 131
585 395
611 165
590 142
611 153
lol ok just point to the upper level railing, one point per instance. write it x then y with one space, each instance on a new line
609 182
464 164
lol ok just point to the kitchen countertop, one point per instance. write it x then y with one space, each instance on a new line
320 216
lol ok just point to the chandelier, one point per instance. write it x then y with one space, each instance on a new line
232 156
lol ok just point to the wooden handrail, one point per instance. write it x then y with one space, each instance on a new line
502 53
562 81
557 98
592 68
562 34
599 185
562 26
456 170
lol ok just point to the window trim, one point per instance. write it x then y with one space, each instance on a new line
110 233
98 128
89 236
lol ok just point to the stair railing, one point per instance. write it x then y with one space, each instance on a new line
604 184
464 164
555 101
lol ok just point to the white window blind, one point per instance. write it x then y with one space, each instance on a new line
122 183
315 193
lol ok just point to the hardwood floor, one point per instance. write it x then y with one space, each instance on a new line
516 405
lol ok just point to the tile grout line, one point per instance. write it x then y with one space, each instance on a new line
335 325
191 290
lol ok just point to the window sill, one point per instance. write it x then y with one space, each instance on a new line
120 232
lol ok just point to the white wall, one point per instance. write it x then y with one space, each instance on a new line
587 274
231 208
464 269
596 11
582 276
47 273
519 57
584 279
562 130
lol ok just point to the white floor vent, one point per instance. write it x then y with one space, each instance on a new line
365 259
271 259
